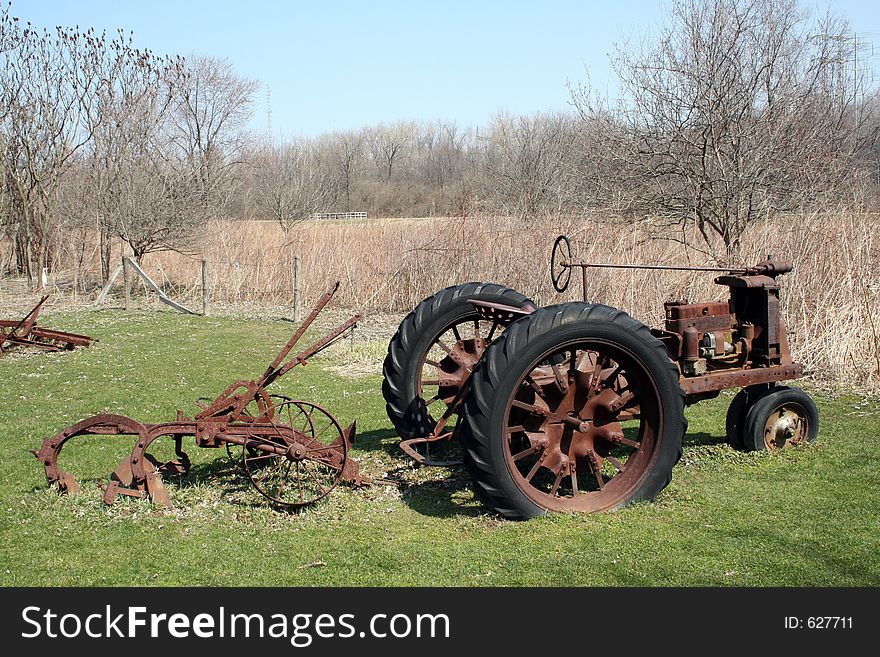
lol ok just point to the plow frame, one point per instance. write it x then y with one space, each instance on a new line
26 333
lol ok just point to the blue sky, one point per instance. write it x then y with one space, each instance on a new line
332 64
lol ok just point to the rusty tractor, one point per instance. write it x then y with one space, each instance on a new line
293 452
24 332
578 406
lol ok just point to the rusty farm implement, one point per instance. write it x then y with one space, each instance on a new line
293 452
578 406
25 333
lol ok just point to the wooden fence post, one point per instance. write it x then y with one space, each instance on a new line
297 290
206 295
126 276
106 289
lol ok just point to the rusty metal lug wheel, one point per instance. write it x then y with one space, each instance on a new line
262 405
736 412
299 458
784 417
575 408
434 350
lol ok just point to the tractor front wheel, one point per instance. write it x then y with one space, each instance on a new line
783 417
736 412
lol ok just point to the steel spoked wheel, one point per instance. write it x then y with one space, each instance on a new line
451 357
784 417
263 406
576 408
581 427
300 458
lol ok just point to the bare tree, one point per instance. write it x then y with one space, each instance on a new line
209 124
739 109
440 146
159 203
184 138
528 166
47 84
133 101
387 146
348 151
292 183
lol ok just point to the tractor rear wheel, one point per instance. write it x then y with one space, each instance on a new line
434 350
576 407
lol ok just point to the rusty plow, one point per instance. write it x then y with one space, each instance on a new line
293 452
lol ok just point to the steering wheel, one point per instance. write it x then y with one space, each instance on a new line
560 267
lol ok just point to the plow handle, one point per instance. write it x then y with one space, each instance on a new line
307 322
233 406
29 320
318 346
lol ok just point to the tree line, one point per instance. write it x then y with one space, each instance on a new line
733 111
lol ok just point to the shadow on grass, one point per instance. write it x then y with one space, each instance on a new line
428 495
446 498
378 439
702 438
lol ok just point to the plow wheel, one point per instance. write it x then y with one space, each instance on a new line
263 405
577 408
433 352
301 459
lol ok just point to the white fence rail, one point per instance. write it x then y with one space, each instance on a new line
338 215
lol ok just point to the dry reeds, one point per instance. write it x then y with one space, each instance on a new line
831 301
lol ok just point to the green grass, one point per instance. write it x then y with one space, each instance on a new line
802 517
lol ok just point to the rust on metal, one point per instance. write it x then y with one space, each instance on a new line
717 345
293 452
454 371
25 333
740 378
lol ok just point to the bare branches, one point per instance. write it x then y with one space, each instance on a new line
529 163
208 124
388 145
738 110
292 183
143 146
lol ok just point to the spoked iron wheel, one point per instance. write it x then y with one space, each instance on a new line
263 405
580 411
581 427
301 459
434 350
445 369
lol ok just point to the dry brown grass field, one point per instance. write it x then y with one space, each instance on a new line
831 301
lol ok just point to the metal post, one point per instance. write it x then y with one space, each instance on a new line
297 291
126 276
206 296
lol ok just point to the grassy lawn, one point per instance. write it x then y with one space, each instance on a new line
803 517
